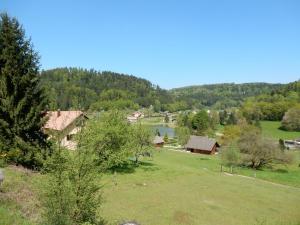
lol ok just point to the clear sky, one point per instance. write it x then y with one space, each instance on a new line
171 43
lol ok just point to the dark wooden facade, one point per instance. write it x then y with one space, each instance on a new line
201 151
159 145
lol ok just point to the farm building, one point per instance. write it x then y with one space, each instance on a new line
292 144
133 118
158 141
203 145
63 125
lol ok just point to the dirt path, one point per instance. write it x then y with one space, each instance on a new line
265 181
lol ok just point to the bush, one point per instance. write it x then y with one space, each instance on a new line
257 151
291 120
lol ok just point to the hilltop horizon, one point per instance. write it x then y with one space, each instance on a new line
173 44
178 87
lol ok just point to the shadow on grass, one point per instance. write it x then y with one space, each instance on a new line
132 166
204 158
281 171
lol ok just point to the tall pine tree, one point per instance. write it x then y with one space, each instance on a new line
21 98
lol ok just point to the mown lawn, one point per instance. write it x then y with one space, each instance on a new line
271 129
153 120
172 188
183 188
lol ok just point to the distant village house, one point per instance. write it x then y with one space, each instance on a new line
133 118
63 125
158 141
203 145
292 144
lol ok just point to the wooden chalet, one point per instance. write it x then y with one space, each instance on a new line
202 145
158 141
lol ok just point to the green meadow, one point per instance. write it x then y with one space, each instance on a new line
271 129
174 188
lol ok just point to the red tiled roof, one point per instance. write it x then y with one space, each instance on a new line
59 120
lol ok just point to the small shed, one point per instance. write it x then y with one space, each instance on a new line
158 141
202 145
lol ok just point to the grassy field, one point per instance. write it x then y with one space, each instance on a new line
172 188
153 120
271 129
19 204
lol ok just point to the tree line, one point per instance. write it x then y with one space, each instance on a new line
222 96
74 88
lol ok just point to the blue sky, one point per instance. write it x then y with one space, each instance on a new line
171 43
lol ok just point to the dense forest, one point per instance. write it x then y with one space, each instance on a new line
73 88
222 96
274 105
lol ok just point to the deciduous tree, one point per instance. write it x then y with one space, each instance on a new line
109 137
257 151
183 135
141 140
291 120
200 122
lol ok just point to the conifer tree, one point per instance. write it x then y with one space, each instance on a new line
21 98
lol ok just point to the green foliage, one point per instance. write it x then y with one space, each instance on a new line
72 193
259 152
222 96
166 138
184 119
157 132
214 119
272 106
231 134
157 106
72 88
141 139
21 98
230 156
109 137
58 197
291 120
183 135
200 122
175 106
166 118
114 99
84 178
223 117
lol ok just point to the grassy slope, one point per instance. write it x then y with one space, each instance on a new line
181 188
19 204
173 188
271 129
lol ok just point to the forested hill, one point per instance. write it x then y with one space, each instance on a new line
223 95
73 88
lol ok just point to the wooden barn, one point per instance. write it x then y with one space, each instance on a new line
158 141
202 145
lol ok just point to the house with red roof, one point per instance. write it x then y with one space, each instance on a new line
63 125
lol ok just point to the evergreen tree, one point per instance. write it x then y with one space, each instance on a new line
166 138
21 98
